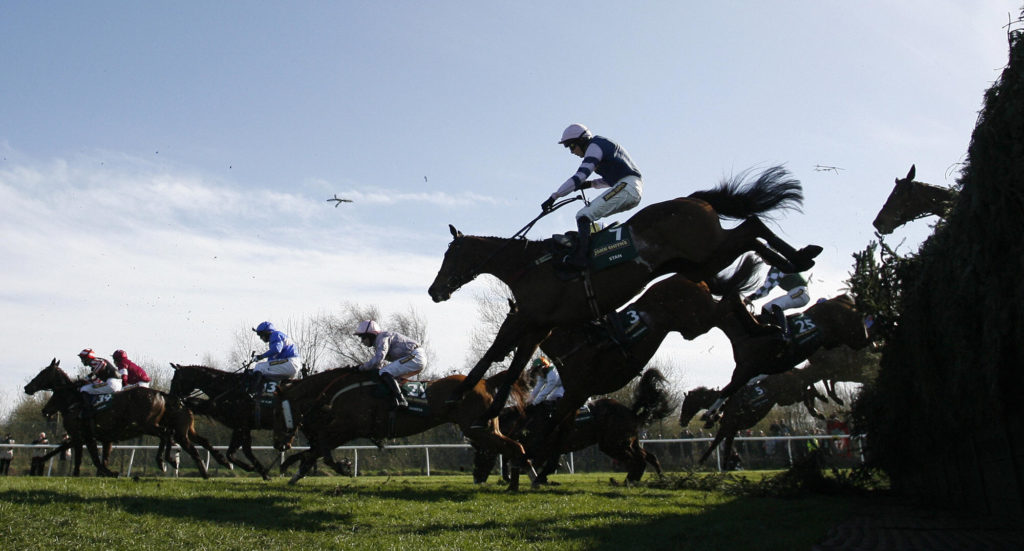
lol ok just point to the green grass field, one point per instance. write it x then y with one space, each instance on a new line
586 511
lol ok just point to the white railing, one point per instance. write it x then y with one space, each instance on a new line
427 447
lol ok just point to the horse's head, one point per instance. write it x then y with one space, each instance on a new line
182 384
893 212
49 378
694 401
52 407
457 269
911 200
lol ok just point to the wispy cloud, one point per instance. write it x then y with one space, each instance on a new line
172 264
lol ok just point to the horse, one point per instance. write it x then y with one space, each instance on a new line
336 406
682 235
822 326
593 360
53 406
751 404
843 364
229 405
611 425
132 413
910 200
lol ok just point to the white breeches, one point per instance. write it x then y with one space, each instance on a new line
143 384
405 366
798 297
279 369
623 195
109 386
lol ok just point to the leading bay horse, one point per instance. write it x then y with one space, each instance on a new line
336 406
229 405
611 425
910 200
823 326
132 413
683 235
751 404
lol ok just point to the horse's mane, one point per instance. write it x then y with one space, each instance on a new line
846 299
517 390
319 382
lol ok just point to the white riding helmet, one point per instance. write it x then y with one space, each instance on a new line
575 131
367 327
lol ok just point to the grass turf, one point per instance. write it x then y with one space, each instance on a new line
586 511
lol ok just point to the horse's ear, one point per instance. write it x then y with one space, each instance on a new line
174 365
455 232
912 173
54 362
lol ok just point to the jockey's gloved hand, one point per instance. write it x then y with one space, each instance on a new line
547 204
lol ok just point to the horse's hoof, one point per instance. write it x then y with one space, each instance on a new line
805 258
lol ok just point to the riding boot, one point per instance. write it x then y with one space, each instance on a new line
396 391
252 383
578 259
780 320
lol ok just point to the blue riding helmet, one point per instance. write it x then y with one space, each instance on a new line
264 327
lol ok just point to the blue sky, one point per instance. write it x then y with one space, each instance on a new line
164 167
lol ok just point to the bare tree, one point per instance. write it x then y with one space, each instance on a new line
492 307
311 336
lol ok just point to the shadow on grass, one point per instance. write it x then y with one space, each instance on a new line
272 512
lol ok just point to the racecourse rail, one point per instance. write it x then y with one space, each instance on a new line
427 447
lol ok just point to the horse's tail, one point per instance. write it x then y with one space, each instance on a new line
742 279
738 198
651 397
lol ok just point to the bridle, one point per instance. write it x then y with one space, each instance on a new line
456 281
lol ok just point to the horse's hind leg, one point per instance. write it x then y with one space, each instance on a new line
208 446
238 442
798 260
292 459
246 438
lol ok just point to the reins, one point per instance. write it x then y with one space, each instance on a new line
519 236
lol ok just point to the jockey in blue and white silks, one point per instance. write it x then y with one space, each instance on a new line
616 170
281 360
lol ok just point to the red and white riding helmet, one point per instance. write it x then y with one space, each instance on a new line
87 354
367 327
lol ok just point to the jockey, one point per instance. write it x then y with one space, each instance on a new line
395 355
131 374
796 295
280 361
548 387
610 161
105 378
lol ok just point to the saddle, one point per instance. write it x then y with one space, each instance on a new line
415 393
99 402
609 247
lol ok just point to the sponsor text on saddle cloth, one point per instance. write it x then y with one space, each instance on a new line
609 247
415 393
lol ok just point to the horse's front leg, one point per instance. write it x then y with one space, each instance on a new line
246 437
94 454
509 334
525 350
